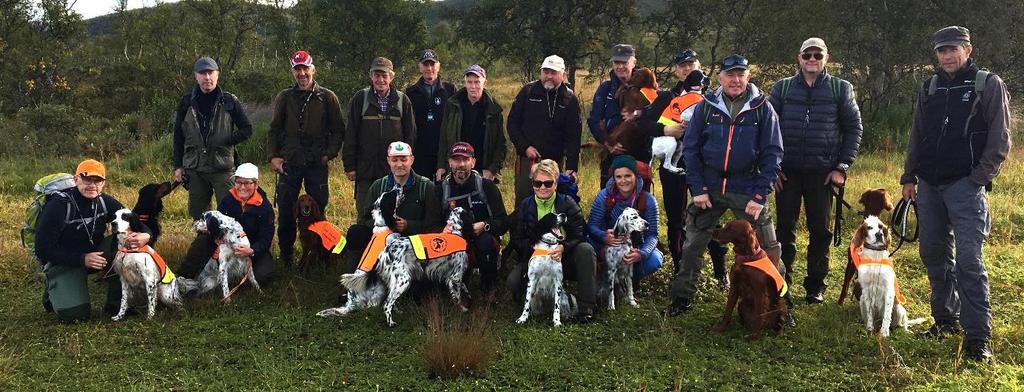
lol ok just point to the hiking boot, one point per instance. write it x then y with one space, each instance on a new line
942 330
815 298
679 306
723 282
286 259
790 321
583 317
978 350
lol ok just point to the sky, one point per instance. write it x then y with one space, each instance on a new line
94 8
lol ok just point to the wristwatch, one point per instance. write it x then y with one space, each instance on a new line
842 167
487 227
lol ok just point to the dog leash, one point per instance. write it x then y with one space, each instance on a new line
899 222
839 192
245 277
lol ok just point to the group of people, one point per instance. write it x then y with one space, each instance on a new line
445 147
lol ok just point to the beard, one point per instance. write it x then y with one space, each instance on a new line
550 85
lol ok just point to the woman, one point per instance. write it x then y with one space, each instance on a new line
625 189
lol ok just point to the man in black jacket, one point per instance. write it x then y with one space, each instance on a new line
821 129
428 96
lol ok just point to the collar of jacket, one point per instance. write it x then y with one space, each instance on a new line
408 183
464 94
969 66
817 82
539 90
438 84
716 100
196 91
315 88
392 95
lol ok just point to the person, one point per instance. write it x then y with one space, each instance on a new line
659 119
417 213
378 116
465 187
429 96
544 123
306 132
70 244
577 255
473 116
959 139
732 151
625 189
605 113
247 203
208 124
821 129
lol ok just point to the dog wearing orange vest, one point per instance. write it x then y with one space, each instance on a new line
757 286
230 266
317 235
142 270
875 202
881 303
544 289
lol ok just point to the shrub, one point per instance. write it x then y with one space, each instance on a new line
52 129
458 344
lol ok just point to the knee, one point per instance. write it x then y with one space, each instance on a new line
74 314
584 256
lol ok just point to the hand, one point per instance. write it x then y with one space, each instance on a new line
570 173
618 149
488 174
324 159
556 252
478 227
702 201
777 184
532 153
351 175
611 239
244 250
95 260
439 174
179 174
277 165
675 131
754 209
910 191
631 257
137 240
401 225
835 177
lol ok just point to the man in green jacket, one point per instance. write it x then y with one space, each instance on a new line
305 133
473 116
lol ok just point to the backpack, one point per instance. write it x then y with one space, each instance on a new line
837 91
45 188
980 80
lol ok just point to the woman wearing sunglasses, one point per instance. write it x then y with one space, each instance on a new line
576 254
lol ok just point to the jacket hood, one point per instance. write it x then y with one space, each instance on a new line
756 98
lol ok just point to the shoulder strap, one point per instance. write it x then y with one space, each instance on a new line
980 80
366 101
483 195
837 90
786 84
446 190
933 85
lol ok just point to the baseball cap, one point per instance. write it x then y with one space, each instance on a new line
813 42
461 149
477 70
301 57
734 61
554 63
398 149
428 55
623 52
247 170
951 36
382 64
205 64
685 56
91 168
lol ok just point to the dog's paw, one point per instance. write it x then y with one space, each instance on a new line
117 318
332 312
558 323
521 320
634 304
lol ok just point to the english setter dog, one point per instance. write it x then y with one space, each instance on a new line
544 277
227 266
142 270
631 226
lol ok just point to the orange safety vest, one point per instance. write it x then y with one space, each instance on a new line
765 265
373 249
166 276
649 93
434 245
328 232
857 262
537 252
673 113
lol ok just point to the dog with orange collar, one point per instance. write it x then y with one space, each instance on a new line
142 270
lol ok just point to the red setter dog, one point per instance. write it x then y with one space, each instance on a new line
757 287
874 201
314 249
638 92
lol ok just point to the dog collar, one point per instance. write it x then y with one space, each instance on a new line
757 255
882 248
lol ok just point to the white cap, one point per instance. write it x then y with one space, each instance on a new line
398 149
247 170
554 63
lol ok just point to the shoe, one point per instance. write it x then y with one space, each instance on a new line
978 350
790 321
679 306
723 282
939 331
815 298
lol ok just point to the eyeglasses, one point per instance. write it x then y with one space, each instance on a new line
817 56
244 183
92 180
543 184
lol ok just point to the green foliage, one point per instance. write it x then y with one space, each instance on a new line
53 129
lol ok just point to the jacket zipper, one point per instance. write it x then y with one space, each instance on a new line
728 144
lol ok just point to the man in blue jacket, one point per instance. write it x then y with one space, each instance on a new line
605 113
732 149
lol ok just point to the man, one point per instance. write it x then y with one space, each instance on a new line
378 116
465 188
821 129
958 142
544 123
208 124
731 160
70 244
473 116
306 132
428 96
657 122
605 113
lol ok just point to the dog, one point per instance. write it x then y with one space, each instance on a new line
633 96
544 276
631 225
881 304
150 204
318 236
757 287
875 201
229 266
142 270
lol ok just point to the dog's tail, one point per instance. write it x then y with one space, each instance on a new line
356 281
919 320
186 287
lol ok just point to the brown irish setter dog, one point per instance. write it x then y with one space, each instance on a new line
631 97
754 288
308 212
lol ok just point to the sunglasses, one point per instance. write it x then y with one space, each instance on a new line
817 56
543 184
733 61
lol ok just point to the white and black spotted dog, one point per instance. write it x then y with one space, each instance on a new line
228 266
140 272
632 226
544 289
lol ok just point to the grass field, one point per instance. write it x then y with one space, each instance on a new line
274 341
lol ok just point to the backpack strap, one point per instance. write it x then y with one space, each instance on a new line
837 90
980 80
933 85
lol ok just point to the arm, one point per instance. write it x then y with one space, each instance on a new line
850 125
265 236
499 218
499 146
408 123
770 156
775 96
995 102
692 140
649 124
276 131
595 222
651 236
350 147
243 128
335 126
179 135
574 223
519 237
450 124
50 226
574 129
910 162
515 122
595 122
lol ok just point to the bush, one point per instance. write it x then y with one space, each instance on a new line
458 344
51 129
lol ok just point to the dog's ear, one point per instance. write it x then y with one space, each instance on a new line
885 234
134 224
318 212
858 236
886 199
297 207
213 225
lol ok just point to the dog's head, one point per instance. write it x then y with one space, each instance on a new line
209 223
875 201
307 209
631 224
151 195
458 219
629 96
549 229
126 221
385 207
872 234
740 234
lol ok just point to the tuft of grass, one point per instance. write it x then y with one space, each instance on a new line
458 344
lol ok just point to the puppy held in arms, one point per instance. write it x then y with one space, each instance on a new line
225 266
142 270
881 304
757 286
544 288
633 96
631 226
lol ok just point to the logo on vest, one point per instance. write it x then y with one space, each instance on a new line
966 97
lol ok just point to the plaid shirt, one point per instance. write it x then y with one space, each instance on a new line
383 101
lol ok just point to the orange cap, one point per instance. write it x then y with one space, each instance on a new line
91 168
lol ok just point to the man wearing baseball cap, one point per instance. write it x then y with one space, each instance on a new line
428 96
208 123
378 115
306 132
544 123
959 140
464 187
473 116
605 114
70 243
